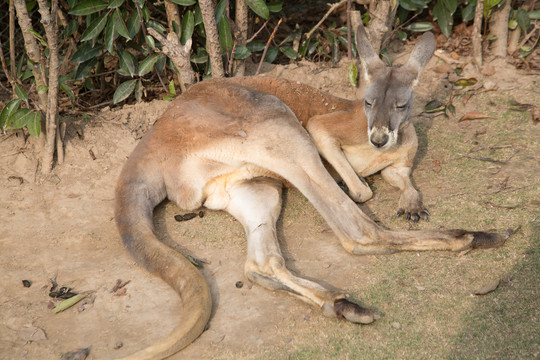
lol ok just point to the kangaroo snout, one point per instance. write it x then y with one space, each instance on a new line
379 137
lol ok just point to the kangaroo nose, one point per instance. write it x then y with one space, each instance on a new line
380 140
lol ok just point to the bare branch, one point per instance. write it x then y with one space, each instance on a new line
330 11
267 45
178 53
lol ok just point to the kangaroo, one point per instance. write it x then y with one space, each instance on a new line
231 144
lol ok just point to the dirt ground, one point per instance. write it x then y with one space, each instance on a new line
62 226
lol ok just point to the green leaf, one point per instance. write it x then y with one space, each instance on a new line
110 36
402 35
434 106
147 64
156 26
26 75
19 119
39 37
413 5
451 5
124 90
201 57
241 52
129 61
9 109
198 15
113 4
523 20
150 41
443 17
139 91
119 25
220 11
275 6
255 46
65 87
70 28
467 12
87 7
259 7
225 36
534 15
84 69
419 26
289 52
21 93
34 124
188 25
352 74
95 28
271 54
134 24
66 304
184 2
42 89
172 90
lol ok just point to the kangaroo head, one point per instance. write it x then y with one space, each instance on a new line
389 93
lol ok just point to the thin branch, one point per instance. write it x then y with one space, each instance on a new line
258 31
331 10
528 36
349 45
480 158
4 65
266 47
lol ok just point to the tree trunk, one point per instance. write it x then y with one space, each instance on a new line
212 39
49 19
499 28
476 33
241 19
382 18
32 49
174 17
12 54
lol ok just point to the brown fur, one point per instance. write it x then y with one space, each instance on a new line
229 145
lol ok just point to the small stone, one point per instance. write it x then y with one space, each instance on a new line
118 345
27 283
396 325
239 284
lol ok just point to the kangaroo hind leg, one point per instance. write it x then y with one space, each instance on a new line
256 204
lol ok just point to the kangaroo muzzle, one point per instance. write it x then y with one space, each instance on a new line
381 138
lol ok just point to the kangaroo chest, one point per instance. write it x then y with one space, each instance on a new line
366 160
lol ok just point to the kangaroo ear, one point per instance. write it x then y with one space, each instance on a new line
366 53
422 52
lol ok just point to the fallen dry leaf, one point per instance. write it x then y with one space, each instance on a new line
474 116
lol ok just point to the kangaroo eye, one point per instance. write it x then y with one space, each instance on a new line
368 103
401 107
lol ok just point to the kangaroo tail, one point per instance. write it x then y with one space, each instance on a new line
137 194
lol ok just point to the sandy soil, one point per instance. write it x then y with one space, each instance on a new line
62 226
